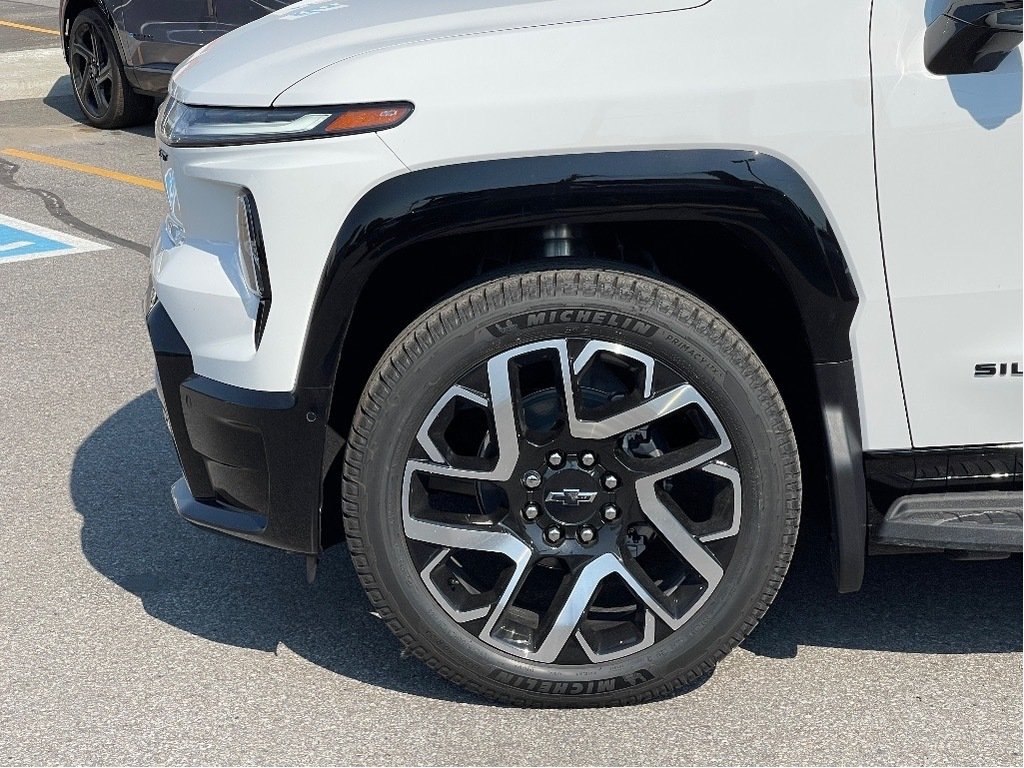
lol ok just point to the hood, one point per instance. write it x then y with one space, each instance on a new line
252 65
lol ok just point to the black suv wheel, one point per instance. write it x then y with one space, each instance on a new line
571 488
101 88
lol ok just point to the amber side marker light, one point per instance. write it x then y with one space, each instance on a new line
376 117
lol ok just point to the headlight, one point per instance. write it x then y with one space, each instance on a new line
181 125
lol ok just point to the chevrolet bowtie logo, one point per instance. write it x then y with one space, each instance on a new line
571 497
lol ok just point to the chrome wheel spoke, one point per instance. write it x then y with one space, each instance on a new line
486 538
648 410
563 616
484 601
492 539
566 478
651 608
651 410
688 547
570 611
731 475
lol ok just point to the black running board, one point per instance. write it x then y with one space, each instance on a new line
982 521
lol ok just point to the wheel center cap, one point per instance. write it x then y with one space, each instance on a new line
569 496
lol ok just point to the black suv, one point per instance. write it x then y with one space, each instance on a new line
121 55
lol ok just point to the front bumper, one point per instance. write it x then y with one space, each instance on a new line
253 462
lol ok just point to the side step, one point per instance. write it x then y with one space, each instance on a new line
982 521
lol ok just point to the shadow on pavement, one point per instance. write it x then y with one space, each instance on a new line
61 98
213 586
913 603
240 594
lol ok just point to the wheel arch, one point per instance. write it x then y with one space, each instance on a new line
71 8
441 228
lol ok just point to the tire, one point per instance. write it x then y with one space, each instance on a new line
101 89
666 396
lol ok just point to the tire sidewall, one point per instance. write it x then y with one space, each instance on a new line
702 356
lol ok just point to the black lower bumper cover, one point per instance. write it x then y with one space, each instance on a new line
253 462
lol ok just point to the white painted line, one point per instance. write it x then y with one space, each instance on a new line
36 242
14 245
34 74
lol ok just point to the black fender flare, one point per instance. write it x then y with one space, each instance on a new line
751 190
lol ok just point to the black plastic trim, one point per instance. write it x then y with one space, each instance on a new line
755 192
838 393
976 521
150 80
969 468
252 461
255 234
220 517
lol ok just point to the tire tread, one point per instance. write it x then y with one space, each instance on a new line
644 295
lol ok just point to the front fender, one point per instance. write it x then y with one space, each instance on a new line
753 191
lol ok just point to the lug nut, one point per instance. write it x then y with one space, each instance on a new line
531 511
586 534
610 482
588 459
553 534
610 512
532 479
556 459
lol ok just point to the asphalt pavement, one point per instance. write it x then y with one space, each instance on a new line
127 636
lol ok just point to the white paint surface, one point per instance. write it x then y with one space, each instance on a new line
33 74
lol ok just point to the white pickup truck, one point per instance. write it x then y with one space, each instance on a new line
551 309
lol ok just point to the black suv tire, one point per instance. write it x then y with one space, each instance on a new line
102 91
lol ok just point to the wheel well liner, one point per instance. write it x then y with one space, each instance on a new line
752 193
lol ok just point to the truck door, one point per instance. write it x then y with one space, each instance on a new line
947 104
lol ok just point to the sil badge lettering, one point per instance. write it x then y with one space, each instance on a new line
21 241
586 316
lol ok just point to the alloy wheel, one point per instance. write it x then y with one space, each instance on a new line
571 501
92 70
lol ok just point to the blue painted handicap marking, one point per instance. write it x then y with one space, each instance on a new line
20 240
17 242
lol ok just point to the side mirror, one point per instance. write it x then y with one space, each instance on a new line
973 36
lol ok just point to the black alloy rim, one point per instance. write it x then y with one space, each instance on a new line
92 70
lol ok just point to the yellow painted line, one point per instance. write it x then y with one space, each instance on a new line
70 165
29 27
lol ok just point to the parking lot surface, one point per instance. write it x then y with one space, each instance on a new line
128 636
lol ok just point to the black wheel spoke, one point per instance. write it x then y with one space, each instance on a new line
96 92
79 49
82 87
104 74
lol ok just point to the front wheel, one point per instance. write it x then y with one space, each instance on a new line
571 488
101 88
